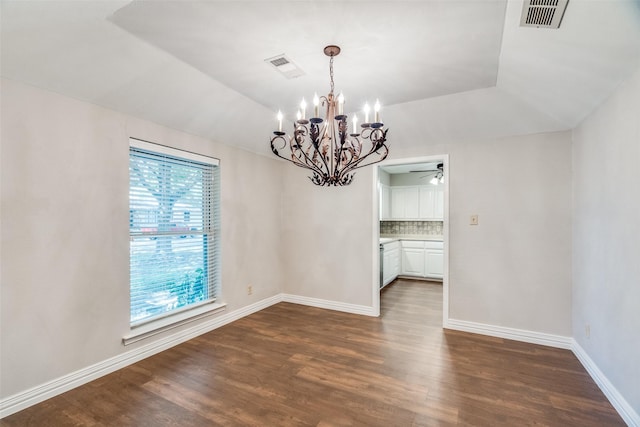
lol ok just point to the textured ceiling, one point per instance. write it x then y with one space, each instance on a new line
444 70
398 52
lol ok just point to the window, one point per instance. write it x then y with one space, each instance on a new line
173 230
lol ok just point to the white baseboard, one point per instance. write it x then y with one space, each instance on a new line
532 337
42 392
628 414
330 305
22 400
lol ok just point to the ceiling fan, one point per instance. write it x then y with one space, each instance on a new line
438 174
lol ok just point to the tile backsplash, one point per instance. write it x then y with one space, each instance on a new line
431 228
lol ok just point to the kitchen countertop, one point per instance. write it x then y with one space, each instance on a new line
388 239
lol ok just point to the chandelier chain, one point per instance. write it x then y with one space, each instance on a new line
331 72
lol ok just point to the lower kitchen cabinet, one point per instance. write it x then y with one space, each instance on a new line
413 258
422 259
390 262
434 260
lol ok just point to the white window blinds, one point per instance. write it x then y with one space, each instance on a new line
173 229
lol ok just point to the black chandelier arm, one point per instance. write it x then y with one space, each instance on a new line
382 157
347 158
349 171
376 145
348 155
338 155
276 150
361 162
307 164
316 142
377 135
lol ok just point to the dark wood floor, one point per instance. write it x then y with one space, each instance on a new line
291 365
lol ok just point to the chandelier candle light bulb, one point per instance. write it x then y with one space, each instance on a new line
303 108
324 146
341 104
316 105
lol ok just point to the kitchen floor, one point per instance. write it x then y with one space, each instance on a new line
403 298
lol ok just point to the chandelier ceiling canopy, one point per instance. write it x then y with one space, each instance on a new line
324 145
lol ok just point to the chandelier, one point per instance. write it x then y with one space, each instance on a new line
324 146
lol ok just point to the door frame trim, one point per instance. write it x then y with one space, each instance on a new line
375 297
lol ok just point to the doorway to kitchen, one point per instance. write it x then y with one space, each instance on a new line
411 226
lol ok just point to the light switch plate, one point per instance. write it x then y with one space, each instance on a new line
474 220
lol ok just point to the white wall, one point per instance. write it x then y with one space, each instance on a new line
606 236
513 269
328 235
64 258
64 231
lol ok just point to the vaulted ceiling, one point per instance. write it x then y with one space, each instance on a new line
444 70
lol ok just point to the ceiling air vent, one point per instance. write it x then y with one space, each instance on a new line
542 13
285 66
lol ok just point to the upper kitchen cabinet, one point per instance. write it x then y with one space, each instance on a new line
385 202
413 203
432 202
405 203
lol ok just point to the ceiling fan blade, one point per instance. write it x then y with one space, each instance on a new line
432 173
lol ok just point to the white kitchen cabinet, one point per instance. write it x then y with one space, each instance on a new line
424 202
413 262
413 258
434 260
411 203
395 262
385 202
423 259
390 262
438 202
386 268
397 202
431 203
405 202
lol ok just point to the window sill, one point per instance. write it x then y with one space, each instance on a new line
167 323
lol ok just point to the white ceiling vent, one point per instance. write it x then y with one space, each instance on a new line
542 13
285 66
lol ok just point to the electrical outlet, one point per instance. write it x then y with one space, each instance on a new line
474 220
249 289
587 330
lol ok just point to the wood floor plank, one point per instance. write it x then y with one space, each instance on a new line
291 365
